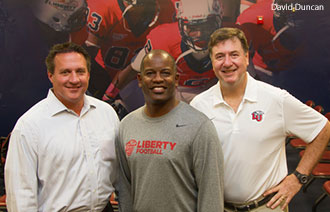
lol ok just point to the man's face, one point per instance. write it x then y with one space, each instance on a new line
194 32
198 32
70 78
229 62
158 80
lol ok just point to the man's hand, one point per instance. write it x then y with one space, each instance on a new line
286 190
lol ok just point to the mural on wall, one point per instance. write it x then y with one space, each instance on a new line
289 46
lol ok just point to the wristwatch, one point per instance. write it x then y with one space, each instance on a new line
303 179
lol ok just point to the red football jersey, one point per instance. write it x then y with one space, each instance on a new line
193 73
80 36
119 45
268 54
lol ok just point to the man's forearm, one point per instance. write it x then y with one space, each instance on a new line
314 151
120 80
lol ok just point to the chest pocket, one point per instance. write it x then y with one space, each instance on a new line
103 141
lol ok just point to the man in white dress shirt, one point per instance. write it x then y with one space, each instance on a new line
253 119
61 153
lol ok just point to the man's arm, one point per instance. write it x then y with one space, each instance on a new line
21 171
92 45
98 24
122 78
123 183
208 169
290 186
314 151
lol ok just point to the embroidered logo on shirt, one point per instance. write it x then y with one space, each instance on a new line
257 115
148 147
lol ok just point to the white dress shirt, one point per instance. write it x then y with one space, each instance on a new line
59 161
253 138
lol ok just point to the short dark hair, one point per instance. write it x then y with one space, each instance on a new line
226 33
65 48
159 52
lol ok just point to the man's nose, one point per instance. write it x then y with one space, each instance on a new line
196 33
74 78
158 77
228 62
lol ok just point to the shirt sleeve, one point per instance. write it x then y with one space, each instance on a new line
123 185
208 169
300 119
110 149
21 170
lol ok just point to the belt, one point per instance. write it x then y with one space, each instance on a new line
253 205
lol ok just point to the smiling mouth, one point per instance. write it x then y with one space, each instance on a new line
228 71
158 89
73 88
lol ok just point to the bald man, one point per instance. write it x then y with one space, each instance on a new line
169 153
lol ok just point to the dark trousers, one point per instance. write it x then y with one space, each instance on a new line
108 208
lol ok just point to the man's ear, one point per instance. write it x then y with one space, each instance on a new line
50 76
177 78
139 78
247 57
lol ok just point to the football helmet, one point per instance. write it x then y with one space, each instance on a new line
198 19
289 25
140 15
61 15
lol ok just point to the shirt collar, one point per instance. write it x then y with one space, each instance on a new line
251 92
249 95
56 106
217 95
